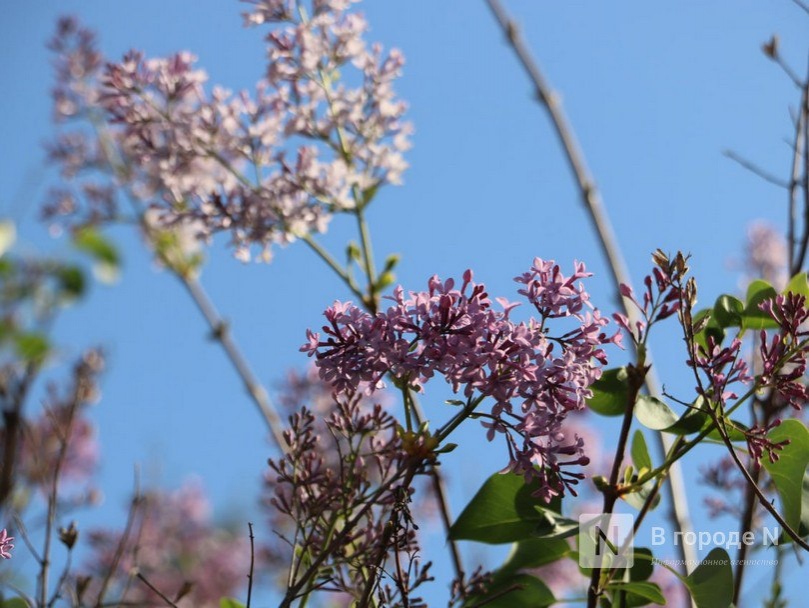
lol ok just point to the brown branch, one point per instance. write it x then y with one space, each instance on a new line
796 258
252 565
220 331
156 590
593 204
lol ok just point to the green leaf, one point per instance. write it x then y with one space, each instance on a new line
734 428
757 292
610 393
640 453
652 413
798 284
528 592
32 347
106 257
8 234
711 584
535 552
789 470
229 602
728 311
639 593
504 511
71 280
643 566
656 415
638 498
16 602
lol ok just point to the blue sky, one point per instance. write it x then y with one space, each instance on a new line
655 91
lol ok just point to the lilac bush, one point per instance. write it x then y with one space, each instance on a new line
356 468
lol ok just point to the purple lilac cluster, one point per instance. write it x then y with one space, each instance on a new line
783 356
6 544
175 541
723 366
534 377
267 167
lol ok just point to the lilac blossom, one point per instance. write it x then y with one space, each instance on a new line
268 167
348 471
6 544
534 378
783 355
766 254
175 541
722 367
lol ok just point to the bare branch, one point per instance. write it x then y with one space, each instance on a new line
753 168
594 206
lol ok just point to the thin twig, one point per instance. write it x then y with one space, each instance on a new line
796 257
752 484
156 590
753 168
220 331
593 204
802 5
252 564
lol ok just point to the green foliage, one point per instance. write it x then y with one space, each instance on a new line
757 292
107 261
520 591
789 471
711 584
535 552
229 602
640 452
656 415
16 602
640 593
504 511
610 392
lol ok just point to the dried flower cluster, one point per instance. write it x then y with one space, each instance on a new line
533 376
269 167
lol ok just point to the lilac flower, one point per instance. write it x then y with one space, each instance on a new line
722 366
268 167
783 356
6 544
176 541
533 377
766 254
758 444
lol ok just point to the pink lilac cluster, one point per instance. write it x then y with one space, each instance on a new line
267 167
6 544
766 255
783 356
722 366
661 299
62 438
535 378
174 542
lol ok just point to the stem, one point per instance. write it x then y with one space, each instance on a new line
591 198
220 331
746 522
368 260
252 565
754 486
636 380
156 590
334 265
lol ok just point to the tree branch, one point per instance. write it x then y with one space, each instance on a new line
594 206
